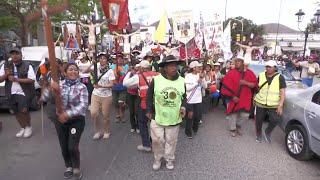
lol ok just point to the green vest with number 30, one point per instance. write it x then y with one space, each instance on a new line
168 97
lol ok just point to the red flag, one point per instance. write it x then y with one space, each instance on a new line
192 50
117 12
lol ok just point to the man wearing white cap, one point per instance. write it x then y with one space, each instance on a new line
237 86
194 84
142 81
269 99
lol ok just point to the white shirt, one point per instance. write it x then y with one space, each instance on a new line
131 82
83 67
16 88
308 68
191 81
105 79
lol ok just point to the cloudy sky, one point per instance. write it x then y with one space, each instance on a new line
260 11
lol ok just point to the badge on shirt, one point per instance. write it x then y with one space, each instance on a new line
73 131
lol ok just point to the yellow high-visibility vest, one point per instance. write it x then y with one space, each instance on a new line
268 95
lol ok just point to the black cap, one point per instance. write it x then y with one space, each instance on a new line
169 59
15 49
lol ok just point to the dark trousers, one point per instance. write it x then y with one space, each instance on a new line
261 114
143 126
193 123
87 82
132 101
69 136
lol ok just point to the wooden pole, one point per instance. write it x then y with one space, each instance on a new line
52 56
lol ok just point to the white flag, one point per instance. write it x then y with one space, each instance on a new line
226 42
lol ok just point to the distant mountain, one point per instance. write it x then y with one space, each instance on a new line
272 28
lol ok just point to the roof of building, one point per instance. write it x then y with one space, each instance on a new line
273 27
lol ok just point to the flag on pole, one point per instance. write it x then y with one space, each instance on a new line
163 28
117 12
192 50
226 42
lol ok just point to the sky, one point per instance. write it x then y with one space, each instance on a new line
259 11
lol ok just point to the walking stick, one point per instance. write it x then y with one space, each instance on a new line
42 120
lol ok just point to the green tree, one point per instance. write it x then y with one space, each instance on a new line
17 10
249 27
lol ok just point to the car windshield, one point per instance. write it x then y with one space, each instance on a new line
258 68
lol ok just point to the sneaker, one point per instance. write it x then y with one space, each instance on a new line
89 108
267 137
238 131
200 122
77 174
96 136
233 133
259 139
27 132
170 165
68 173
117 120
20 133
189 137
142 148
138 131
106 135
156 165
132 130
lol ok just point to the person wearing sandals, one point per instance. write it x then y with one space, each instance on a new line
119 91
70 123
101 99
237 87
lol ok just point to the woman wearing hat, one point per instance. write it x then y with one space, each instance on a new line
194 84
102 98
165 109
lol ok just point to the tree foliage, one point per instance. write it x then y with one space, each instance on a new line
16 10
249 27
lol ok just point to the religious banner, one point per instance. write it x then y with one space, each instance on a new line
69 31
117 12
183 26
213 31
193 52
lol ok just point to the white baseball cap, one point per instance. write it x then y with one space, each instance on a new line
144 64
194 64
220 60
271 63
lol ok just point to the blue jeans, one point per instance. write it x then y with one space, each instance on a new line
143 126
307 81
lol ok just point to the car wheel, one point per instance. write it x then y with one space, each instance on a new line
297 143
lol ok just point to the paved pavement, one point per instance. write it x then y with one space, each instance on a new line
212 154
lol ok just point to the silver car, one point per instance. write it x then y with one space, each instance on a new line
301 122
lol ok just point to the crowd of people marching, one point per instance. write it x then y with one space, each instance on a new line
161 93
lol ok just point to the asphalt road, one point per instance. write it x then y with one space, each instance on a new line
212 154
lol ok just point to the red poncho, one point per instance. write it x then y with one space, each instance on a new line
231 87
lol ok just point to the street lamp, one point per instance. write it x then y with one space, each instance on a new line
300 14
